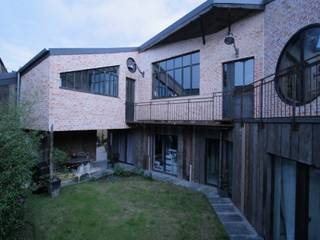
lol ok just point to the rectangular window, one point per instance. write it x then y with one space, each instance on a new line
239 73
103 81
165 154
179 76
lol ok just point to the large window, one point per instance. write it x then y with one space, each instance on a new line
165 154
238 73
99 81
179 76
298 69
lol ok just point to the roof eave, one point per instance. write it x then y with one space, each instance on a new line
182 22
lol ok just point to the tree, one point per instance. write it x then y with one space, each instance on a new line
19 151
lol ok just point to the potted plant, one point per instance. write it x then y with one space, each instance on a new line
54 186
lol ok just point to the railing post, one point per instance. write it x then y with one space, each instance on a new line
188 109
168 110
213 96
150 111
261 103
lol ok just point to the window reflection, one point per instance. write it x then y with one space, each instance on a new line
179 76
100 81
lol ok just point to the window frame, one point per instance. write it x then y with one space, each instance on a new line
286 99
181 68
90 91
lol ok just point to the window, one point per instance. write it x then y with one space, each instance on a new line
165 154
238 73
102 81
296 203
298 68
179 76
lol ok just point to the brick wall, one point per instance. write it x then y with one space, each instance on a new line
283 18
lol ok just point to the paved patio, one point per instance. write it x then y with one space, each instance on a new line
235 224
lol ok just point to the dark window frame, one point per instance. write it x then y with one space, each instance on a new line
279 72
174 69
114 82
235 61
163 147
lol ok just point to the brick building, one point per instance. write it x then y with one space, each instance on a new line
227 96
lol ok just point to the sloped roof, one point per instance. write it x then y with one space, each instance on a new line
212 12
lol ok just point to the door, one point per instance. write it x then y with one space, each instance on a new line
130 89
314 205
212 162
238 94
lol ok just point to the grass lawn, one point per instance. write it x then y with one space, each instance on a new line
127 208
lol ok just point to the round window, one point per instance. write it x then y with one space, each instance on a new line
298 69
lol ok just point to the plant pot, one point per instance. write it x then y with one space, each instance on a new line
54 187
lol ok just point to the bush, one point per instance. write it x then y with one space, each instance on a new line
19 151
60 158
121 172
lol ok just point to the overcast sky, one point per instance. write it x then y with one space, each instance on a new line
28 26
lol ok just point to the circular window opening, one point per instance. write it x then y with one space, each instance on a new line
298 69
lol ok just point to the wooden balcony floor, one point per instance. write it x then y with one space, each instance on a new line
226 123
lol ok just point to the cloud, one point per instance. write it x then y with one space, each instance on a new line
33 25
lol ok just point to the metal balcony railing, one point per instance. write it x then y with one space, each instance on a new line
293 93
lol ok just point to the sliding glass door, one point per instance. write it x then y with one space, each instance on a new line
314 205
296 205
212 161
284 199
165 154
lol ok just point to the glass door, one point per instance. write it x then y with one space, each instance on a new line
212 161
314 205
165 154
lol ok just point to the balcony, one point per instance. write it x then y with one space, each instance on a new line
273 98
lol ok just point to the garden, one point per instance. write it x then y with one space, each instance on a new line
121 206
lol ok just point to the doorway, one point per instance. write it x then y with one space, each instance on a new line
130 98
212 154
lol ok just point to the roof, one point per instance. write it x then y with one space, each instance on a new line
186 27
71 51
2 67
210 6
8 78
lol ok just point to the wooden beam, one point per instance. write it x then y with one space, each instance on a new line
203 34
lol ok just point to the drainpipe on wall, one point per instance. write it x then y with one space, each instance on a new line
18 87
190 173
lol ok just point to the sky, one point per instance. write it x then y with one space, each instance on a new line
28 26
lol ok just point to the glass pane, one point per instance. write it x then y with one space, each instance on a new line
284 199
238 74
195 58
195 77
163 66
171 147
78 80
212 161
170 64
70 80
249 71
187 78
158 163
178 62
291 55
178 76
186 60
85 86
312 44
314 204
63 80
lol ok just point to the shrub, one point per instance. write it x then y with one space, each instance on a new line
19 151
60 158
121 172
